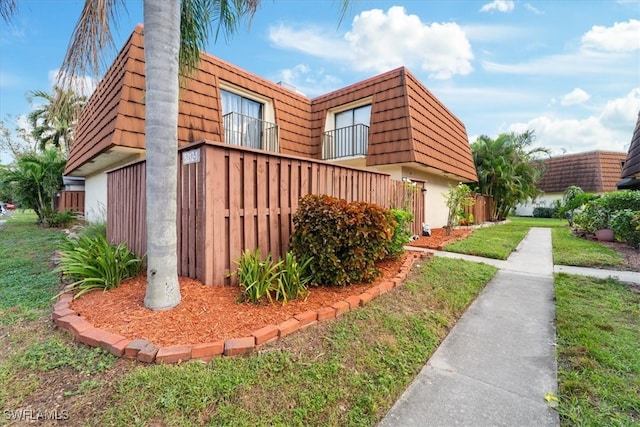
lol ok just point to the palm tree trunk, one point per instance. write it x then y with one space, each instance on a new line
162 44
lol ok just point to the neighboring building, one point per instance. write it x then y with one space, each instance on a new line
631 170
594 171
389 123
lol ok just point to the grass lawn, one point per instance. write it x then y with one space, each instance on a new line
498 241
346 372
598 329
571 250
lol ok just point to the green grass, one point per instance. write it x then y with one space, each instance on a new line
347 372
538 222
30 350
26 283
598 329
571 250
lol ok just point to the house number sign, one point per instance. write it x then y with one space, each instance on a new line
191 156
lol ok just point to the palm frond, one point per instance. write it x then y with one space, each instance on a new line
91 37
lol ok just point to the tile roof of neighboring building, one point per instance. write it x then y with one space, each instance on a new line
408 123
593 171
632 162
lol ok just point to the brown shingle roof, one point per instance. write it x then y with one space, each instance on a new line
632 162
593 171
408 123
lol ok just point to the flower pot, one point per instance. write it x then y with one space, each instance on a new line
605 235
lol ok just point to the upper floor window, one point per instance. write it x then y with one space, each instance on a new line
244 124
354 116
350 134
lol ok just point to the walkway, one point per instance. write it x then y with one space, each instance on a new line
498 362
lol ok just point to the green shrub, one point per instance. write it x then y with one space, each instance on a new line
257 277
93 263
626 226
54 219
345 238
95 229
594 216
293 278
597 213
543 212
401 232
624 199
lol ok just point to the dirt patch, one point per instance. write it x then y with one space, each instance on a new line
631 255
439 238
206 313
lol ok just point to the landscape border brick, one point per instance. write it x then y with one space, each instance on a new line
173 354
144 351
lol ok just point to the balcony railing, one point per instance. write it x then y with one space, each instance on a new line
247 131
348 141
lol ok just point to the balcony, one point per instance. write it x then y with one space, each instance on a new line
246 131
350 141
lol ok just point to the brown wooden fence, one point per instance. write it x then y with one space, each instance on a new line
409 196
481 209
231 199
71 200
126 206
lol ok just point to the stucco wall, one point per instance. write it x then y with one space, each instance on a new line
436 211
95 205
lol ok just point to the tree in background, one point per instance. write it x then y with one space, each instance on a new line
33 181
53 123
508 169
18 142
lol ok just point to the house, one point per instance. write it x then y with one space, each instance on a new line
594 171
249 148
631 169
389 123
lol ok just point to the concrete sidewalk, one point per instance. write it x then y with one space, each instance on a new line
498 362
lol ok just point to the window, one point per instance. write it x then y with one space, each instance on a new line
355 116
350 134
242 119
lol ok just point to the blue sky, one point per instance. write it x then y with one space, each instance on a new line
570 70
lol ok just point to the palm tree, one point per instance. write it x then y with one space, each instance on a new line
35 179
53 123
507 169
175 32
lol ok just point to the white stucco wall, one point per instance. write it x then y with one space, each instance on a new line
95 197
546 201
436 211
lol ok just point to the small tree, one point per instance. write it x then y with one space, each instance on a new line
35 179
458 198
573 200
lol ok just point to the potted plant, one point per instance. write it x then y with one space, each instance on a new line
595 219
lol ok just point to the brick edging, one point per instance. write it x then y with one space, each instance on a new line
144 351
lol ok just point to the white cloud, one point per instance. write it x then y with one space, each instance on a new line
610 129
576 96
311 40
533 9
380 41
603 50
81 85
621 113
309 82
499 5
570 64
621 37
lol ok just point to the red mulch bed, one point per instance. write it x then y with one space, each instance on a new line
206 313
438 238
